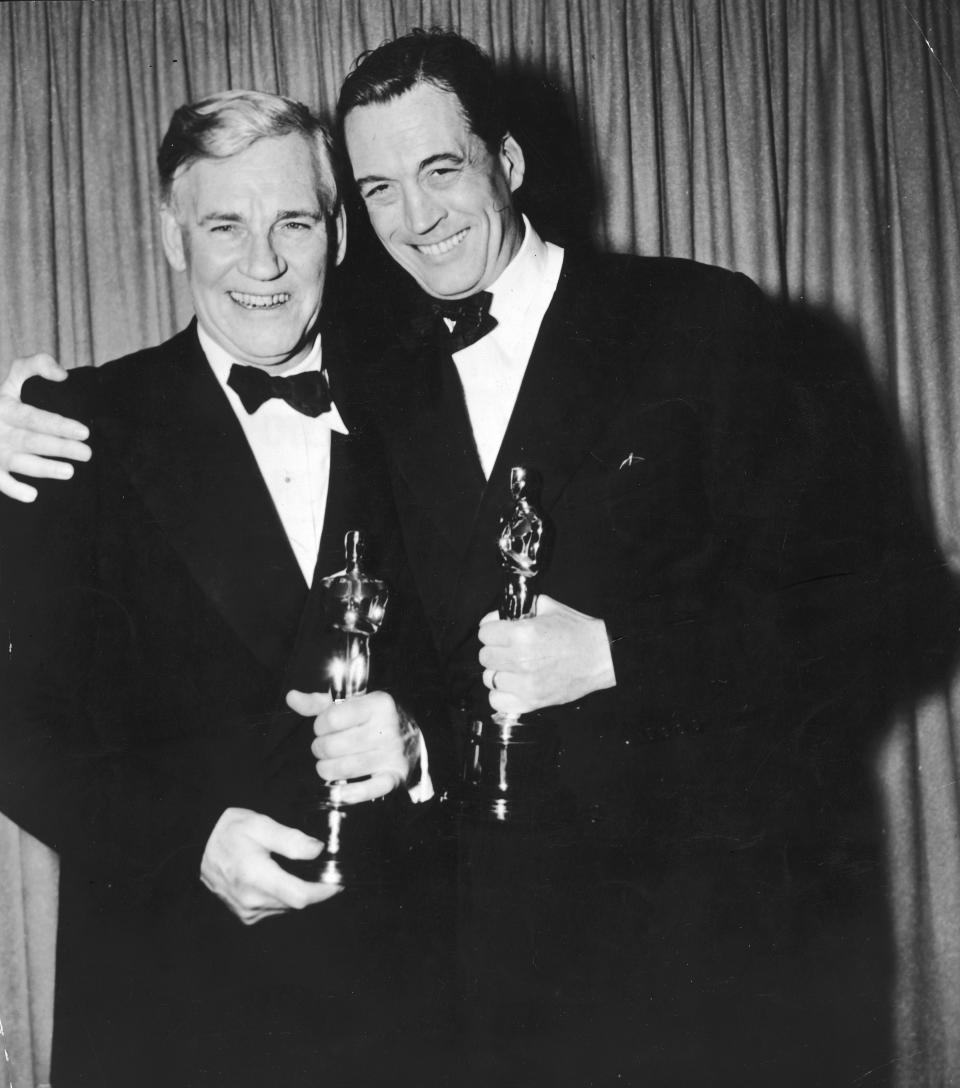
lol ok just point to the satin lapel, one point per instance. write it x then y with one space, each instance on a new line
427 431
188 458
570 392
568 396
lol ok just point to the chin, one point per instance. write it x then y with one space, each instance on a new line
450 286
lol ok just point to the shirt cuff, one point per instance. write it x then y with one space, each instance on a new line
423 790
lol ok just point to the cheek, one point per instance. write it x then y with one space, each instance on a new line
206 269
383 221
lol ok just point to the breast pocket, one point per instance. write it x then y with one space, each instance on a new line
653 475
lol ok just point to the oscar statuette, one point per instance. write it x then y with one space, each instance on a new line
511 759
354 605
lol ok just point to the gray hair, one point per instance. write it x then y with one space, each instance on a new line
229 122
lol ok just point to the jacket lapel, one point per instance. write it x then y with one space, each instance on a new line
567 398
188 458
424 422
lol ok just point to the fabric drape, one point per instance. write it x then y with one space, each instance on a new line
812 144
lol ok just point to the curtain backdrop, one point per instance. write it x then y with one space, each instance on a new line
812 144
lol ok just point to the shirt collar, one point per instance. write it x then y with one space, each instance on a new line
519 282
221 361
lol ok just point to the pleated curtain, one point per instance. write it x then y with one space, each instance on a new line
812 144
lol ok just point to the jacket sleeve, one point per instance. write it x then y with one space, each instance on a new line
813 583
75 770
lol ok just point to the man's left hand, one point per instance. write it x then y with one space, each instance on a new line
555 657
365 735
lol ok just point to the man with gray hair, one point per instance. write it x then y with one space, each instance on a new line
144 732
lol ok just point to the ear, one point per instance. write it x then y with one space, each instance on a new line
512 162
172 236
340 234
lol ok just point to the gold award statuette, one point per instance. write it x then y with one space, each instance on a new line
354 606
509 759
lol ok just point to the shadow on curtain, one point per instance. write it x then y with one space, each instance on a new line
813 146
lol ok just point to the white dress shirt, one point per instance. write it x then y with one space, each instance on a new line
292 451
491 370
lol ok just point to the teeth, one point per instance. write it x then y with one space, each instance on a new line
434 249
260 302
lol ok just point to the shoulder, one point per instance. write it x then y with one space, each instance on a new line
128 380
683 307
622 281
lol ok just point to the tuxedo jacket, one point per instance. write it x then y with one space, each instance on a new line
156 616
702 502
763 587
672 456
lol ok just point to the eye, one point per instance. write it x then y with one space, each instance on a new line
296 226
441 175
374 191
223 228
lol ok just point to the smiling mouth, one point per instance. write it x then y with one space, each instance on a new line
259 302
437 249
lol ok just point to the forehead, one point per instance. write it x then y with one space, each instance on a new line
423 122
278 171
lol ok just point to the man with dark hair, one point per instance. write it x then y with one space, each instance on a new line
177 604
710 622
715 631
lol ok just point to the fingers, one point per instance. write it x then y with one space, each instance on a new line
494 631
41 468
387 757
38 425
365 738
510 692
505 702
370 789
292 843
16 489
30 445
41 434
237 866
375 715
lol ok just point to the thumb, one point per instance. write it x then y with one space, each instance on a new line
48 367
26 367
308 704
288 841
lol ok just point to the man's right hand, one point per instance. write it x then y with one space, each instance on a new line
31 440
238 868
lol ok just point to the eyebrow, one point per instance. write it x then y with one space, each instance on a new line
431 160
235 217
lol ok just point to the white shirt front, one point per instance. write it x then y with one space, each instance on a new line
292 452
491 370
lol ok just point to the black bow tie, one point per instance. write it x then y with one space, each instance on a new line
471 317
309 393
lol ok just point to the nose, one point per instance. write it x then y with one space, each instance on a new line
261 261
421 211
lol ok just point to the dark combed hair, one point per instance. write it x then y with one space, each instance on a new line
438 57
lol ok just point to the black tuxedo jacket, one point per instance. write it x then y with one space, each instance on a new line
700 504
156 616
672 456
